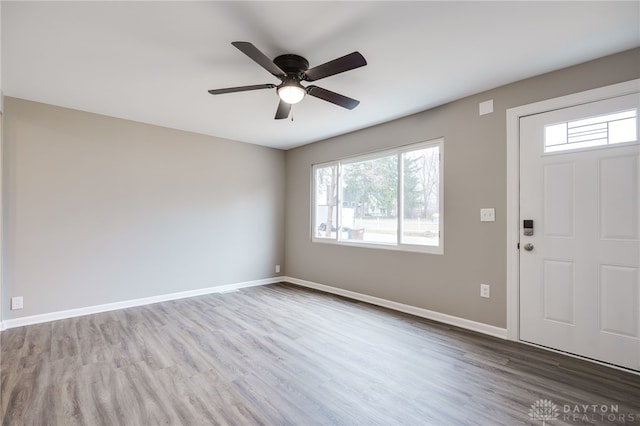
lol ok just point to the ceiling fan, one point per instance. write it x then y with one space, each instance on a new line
291 70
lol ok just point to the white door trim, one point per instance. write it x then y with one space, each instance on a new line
513 182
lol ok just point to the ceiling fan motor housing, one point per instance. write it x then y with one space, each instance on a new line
293 65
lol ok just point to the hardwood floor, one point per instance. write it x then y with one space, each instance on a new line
281 355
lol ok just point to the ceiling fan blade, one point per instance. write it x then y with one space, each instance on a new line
241 89
283 110
334 98
345 63
260 58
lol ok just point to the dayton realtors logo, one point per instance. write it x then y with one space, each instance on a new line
545 410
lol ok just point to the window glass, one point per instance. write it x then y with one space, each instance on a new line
370 200
390 200
421 196
326 201
619 127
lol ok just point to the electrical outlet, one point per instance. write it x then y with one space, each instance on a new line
277 269
488 215
485 290
16 303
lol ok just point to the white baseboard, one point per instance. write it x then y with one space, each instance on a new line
408 309
71 313
419 312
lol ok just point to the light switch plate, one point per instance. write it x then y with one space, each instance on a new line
485 290
488 215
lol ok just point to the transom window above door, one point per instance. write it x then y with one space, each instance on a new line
602 130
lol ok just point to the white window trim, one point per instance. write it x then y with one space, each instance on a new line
439 249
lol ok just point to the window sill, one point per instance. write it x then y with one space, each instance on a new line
439 250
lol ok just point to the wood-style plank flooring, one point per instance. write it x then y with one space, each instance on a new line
284 355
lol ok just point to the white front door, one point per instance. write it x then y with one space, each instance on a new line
580 269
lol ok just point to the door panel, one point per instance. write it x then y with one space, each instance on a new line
580 284
559 200
618 300
559 291
619 193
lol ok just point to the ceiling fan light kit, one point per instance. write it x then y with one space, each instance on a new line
291 70
291 92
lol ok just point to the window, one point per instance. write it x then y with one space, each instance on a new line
389 200
619 127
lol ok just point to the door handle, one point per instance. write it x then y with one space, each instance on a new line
528 247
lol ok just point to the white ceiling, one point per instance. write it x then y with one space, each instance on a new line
153 62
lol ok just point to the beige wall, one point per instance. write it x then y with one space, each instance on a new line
1 213
0 56
474 177
101 210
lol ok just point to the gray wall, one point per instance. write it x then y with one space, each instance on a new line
474 177
1 109
100 210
